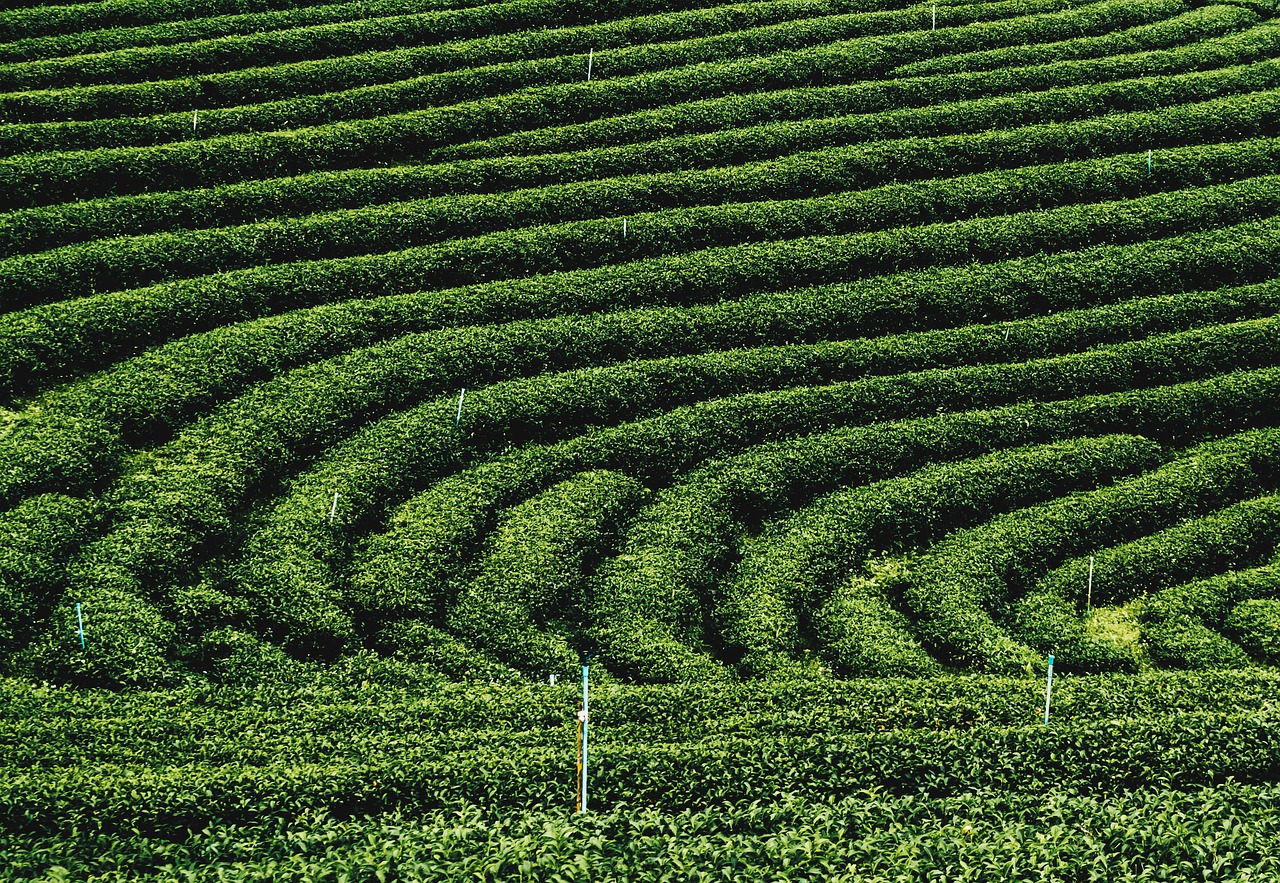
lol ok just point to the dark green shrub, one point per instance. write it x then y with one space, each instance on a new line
1255 624
37 538
128 641
527 603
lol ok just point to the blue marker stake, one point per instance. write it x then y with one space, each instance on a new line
1048 691
584 738
80 622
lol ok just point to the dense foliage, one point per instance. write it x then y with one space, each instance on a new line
870 780
690 298
816 367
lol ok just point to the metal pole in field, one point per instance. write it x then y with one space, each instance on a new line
458 421
1048 692
590 55
80 622
583 718
577 783
584 715
1088 598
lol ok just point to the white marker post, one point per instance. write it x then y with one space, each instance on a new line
1088 598
195 116
624 228
458 420
1148 162
935 16
333 510
590 55
582 717
80 622
1048 691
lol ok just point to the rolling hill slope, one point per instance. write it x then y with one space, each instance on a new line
816 367
720 340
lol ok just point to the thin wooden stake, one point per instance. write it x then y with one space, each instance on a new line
1088 601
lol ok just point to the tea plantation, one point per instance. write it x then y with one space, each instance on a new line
817 368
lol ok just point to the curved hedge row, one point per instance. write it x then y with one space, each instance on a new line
688 38
428 536
43 178
538 222
695 277
413 562
292 557
957 588
377 467
1132 41
811 566
260 84
678 548
554 88
67 444
1182 626
888 105
803 557
1243 534
175 504
315 41
93 37
1047 617
528 599
680 543
252 201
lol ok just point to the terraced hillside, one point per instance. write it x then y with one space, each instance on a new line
777 338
